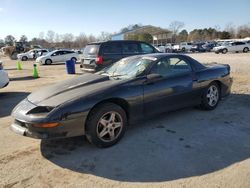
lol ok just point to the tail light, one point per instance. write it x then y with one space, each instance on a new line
99 60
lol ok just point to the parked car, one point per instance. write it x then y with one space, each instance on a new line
183 46
32 54
209 46
232 47
4 79
57 56
101 105
198 47
99 55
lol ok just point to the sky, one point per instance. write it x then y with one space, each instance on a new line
29 17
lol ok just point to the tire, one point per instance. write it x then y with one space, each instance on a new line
183 49
245 50
224 51
24 58
73 59
217 52
48 62
100 134
211 97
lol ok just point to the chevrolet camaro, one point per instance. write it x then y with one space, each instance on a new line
101 105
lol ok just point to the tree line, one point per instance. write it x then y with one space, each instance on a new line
52 40
175 29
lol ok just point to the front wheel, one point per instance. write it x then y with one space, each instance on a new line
211 97
48 62
105 125
246 49
73 59
224 51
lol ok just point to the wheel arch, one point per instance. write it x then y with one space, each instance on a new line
118 101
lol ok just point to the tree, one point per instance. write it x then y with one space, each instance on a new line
230 28
146 37
1 43
50 36
243 31
183 36
67 40
41 35
175 27
224 35
104 36
9 40
23 39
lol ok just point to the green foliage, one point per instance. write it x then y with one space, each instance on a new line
9 40
146 37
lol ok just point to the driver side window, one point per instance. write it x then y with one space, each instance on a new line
171 67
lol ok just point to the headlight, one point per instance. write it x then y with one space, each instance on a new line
40 111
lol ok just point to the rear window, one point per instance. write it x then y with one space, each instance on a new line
91 50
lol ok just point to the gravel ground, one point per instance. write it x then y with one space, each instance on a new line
186 148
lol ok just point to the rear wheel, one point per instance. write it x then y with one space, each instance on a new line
211 97
224 51
73 59
24 58
48 62
246 49
106 125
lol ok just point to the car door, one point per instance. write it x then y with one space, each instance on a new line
172 90
130 49
56 56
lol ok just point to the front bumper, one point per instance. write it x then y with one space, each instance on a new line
68 128
23 124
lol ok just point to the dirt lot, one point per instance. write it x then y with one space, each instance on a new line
187 148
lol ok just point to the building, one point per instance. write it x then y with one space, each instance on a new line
160 36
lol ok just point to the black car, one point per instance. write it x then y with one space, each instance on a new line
198 47
99 55
209 46
100 105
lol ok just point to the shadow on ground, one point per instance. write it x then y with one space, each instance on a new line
22 78
8 100
171 146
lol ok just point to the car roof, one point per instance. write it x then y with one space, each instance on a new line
114 41
160 55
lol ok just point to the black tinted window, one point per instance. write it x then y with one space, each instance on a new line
146 48
171 66
112 48
130 48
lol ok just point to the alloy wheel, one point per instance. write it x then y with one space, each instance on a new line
212 95
109 126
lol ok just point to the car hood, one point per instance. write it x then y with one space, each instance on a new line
81 86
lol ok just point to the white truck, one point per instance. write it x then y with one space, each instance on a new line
183 46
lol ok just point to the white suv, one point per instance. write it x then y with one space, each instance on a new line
58 56
32 54
232 47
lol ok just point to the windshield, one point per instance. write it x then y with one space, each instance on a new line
128 67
